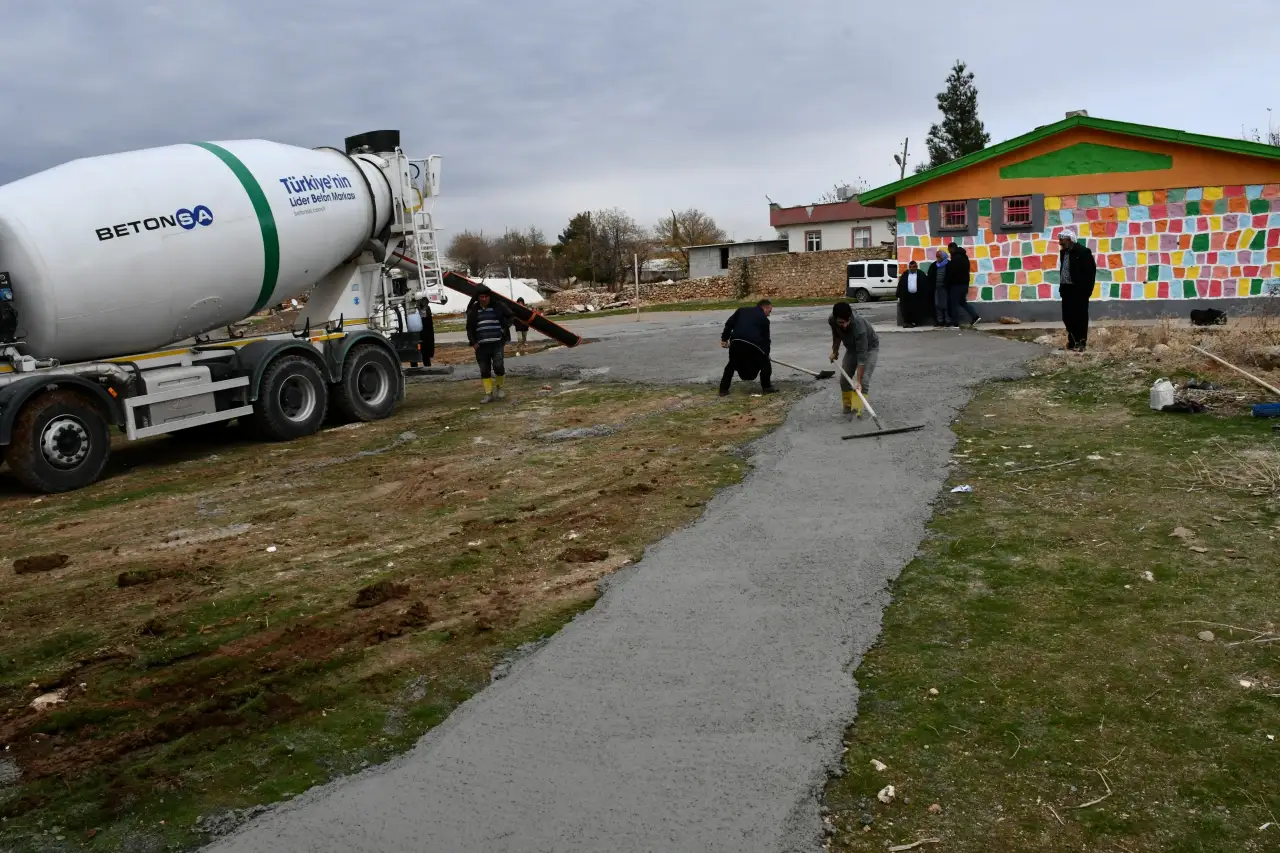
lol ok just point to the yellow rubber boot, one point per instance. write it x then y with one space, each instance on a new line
857 404
488 390
846 401
497 384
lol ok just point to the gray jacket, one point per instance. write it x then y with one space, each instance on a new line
859 338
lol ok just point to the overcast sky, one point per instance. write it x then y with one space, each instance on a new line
543 108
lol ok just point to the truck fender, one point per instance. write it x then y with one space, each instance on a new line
252 359
16 394
335 354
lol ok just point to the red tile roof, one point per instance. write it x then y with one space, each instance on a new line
840 211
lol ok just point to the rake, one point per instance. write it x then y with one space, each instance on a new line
880 430
824 374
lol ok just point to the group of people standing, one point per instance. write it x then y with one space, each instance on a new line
942 293
939 296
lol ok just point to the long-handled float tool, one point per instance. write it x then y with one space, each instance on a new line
880 430
824 374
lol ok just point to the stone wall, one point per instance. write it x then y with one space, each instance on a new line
715 287
797 275
711 287
782 275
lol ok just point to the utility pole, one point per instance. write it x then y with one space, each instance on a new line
901 160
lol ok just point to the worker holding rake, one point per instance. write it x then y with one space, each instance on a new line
861 349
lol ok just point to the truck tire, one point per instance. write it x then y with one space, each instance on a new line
60 442
367 391
862 295
292 399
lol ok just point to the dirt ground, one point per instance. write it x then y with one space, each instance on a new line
464 354
215 627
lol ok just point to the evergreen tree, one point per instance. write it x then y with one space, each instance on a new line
961 131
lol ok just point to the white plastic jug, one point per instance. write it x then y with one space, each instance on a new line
1162 394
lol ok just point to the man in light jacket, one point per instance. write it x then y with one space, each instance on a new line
937 283
861 351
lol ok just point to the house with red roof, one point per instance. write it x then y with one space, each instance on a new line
844 224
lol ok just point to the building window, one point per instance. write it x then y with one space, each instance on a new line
862 238
955 215
813 241
724 257
1017 211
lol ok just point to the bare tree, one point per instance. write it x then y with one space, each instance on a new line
673 235
473 250
525 253
1271 137
832 195
619 237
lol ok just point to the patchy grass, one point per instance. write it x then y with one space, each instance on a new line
1058 618
236 624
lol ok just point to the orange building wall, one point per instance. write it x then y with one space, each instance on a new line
1192 167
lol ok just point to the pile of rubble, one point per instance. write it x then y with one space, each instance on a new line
584 300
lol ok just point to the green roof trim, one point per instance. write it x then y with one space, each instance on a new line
887 193
1087 158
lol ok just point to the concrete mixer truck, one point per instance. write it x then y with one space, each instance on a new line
116 272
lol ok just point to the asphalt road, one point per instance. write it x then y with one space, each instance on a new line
700 705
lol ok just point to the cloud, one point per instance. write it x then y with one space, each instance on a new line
543 109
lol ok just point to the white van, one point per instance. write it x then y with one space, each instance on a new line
870 280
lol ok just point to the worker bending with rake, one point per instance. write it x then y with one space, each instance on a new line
746 336
861 349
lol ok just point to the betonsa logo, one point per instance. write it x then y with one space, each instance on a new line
184 219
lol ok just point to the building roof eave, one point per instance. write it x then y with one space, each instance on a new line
888 193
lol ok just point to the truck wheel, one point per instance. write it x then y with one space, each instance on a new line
367 391
292 399
60 443
862 295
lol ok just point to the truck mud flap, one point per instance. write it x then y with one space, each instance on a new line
536 320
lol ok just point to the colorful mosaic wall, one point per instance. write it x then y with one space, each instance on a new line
1203 242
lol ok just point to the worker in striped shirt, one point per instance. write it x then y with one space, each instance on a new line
488 331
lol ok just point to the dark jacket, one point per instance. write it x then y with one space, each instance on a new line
517 323
923 286
750 325
473 311
959 269
1084 272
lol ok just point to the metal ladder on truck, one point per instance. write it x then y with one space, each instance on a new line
419 185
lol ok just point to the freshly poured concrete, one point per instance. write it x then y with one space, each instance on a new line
700 705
